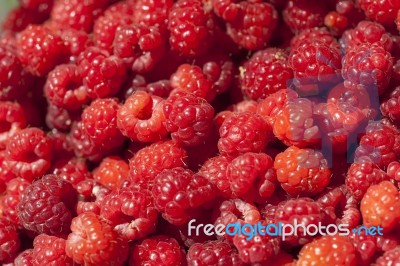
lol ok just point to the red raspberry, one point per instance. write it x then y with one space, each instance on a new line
60 119
141 118
253 25
76 14
336 22
9 241
47 206
242 132
72 170
20 17
29 153
328 250
213 253
380 206
141 47
24 258
311 34
302 171
367 66
390 257
76 41
94 242
266 72
178 192
103 74
157 250
14 79
161 88
393 170
391 106
99 122
304 14
191 27
315 64
214 169
112 172
64 88
189 118
366 32
384 11
361 176
49 250
295 123
152 12
191 79
39 49
12 119
11 198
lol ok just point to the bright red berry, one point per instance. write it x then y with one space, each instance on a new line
384 11
390 257
304 14
9 241
112 172
50 250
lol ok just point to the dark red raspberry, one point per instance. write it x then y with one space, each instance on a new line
366 32
72 170
191 79
178 193
390 257
361 176
11 198
47 206
380 206
242 132
103 74
384 11
295 124
367 66
61 119
39 49
213 253
266 72
12 120
253 24
189 118
112 172
336 22
94 242
157 250
302 171
391 106
393 170
29 153
24 258
20 17
50 250
9 241
130 211
315 64
14 79
76 41
64 88
76 14
191 27
328 250
152 12
311 34
304 14
141 117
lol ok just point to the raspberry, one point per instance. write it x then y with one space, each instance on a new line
391 257
382 11
76 14
47 206
315 64
61 119
302 171
14 79
393 170
295 123
24 258
29 153
336 22
366 32
328 250
177 192
141 117
64 88
94 242
244 106
49 250
266 72
161 88
214 169
37 4
189 118
20 17
303 14
103 74
12 119
242 132
9 241
380 206
72 170
39 49
152 13
253 25
76 41
361 176
213 253
157 250
391 106
112 172
311 34
191 27
191 79
367 66
11 198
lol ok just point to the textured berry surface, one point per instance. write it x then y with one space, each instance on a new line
9 241
50 250
112 172
382 11
390 257
191 79
303 14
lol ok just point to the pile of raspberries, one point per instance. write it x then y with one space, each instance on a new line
122 121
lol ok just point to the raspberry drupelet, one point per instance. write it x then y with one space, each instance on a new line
141 117
302 172
50 250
